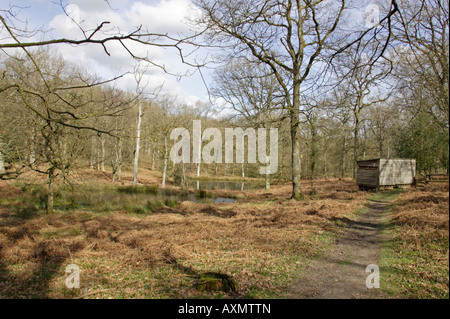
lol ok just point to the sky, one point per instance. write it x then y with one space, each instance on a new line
159 16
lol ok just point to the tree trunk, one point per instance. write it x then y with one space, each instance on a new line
267 187
153 156
116 162
50 201
32 158
356 114
50 191
102 142
295 142
355 145
138 142
199 159
98 159
113 171
183 177
91 164
119 157
2 160
165 163
314 149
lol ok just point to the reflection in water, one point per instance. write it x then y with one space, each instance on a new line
163 196
230 185
114 199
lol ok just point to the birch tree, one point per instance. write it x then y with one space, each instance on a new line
140 87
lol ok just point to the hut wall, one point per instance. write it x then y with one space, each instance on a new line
397 171
386 172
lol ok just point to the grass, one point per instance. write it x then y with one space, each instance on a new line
129 253
415 259
146 189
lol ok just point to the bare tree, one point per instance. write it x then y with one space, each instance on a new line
53 96
68 114
361 81
138 76
253 92
421 54
287 36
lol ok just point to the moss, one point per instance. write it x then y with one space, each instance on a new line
213 281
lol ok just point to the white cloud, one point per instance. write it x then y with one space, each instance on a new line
164 16
99 5
167 16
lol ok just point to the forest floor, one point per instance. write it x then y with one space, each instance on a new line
132 246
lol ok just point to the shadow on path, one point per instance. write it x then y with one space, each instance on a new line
341 273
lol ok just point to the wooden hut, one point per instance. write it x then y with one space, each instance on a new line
380 172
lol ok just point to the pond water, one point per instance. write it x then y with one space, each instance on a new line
146 198
212 184
113 199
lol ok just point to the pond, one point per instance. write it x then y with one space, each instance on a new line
212 184
132 199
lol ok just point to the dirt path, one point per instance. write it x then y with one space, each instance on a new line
341 273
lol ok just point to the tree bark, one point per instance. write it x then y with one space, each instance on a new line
295 139
267 187
102 142
119 157
50 190
2 160
32 158
138 144
91 164
165 163
356 137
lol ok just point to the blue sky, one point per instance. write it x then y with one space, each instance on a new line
158 15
